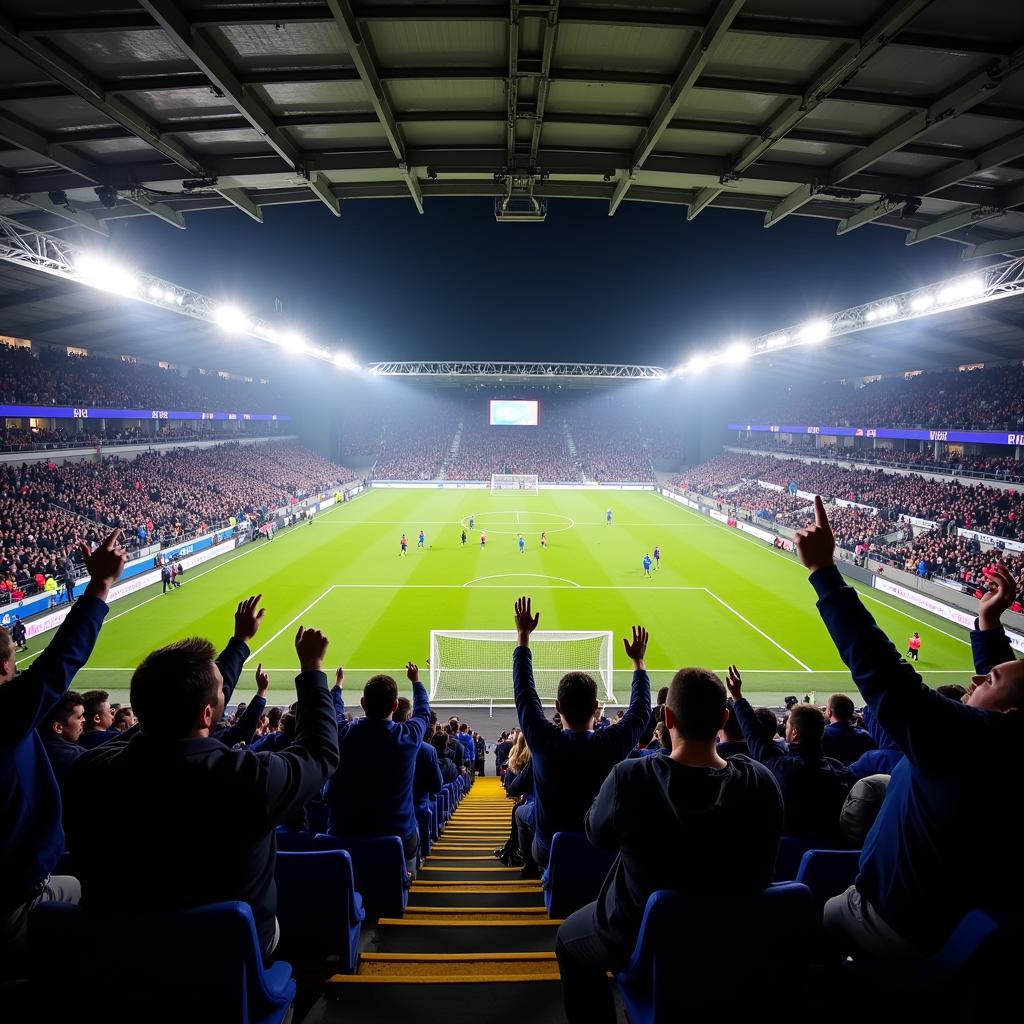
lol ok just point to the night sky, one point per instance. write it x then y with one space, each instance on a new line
643 286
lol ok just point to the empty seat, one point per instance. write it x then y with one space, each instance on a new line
379 868
787 862
318 908
693 953
827 872
575 873
202 964
290 840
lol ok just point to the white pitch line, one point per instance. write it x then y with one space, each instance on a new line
914 618
506 586
290 622
522 575
757 629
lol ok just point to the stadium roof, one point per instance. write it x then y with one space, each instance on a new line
906 113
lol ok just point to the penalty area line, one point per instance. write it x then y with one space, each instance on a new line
757 629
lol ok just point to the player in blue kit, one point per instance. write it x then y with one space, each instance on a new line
657 557
647 565
420 543
608 517
522 545
472 522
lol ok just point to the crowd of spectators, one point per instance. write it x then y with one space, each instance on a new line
46 510
694 795
53 377
988 398
854 528
763 502
17 439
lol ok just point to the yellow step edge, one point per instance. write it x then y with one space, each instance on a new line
403 922
539 911
416 979
431 856
441 867
452 885
442 958
472 887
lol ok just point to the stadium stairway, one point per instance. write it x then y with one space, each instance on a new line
475 939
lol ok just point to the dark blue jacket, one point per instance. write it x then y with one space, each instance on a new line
883 758
948 836
62 755
372 794
469 746
569 767
845 742
31 837
201 828
247 723
814 787
97 737
521 783
426 779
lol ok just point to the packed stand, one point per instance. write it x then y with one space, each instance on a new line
608 438
46 510
989 398
764 502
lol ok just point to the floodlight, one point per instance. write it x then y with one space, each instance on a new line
266 332
232 320
168 296
698 364
965 288
738 352
777 341
886 312
923 301
154 291
293 342
99 272
815 331
344 361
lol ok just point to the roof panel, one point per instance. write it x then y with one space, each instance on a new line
603 98
48 116
729 105
802 151
109 54
866 119
280 45
917 72
340 136
787 60
164 104
447 94
622 48
451 133
582 135
999 20
308 97
705 143
437 43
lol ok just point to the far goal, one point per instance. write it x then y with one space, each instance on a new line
473 667
521 483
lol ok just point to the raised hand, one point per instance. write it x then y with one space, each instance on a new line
815 544
247 619
734 683
526 621
412 672
262 681
339 677
104 565
637 648
1002 590
311 647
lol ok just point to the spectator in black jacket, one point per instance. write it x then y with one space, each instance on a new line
99 719
203 816
31 837
814 787
427 779
60 731
569 764
689 820
449 773
842 739
949 801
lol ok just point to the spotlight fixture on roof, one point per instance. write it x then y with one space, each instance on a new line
106 195
59 198
910 207
232 320
99 272
814 331
190 184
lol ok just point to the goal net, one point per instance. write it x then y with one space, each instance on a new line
474 666
523 483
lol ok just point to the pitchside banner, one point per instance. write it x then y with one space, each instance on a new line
67 412
987 538
960 436
929 604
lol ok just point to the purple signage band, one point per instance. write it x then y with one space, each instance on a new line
975 436
67 412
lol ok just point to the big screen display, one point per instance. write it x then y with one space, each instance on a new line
514 412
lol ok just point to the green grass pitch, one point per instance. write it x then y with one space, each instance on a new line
719 596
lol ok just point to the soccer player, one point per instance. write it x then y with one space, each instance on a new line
608 517
647 565
405 546
19 635
914 646
522 545
483 539
472 522
543 539
463 538
422 540
657 557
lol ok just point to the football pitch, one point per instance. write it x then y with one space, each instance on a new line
718 597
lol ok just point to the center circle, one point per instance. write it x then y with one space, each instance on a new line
512 522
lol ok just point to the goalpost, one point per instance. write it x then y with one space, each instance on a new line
473 667
521 483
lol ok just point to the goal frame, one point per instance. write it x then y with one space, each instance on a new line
604 673
518 483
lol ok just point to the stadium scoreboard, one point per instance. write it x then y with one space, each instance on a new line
514 412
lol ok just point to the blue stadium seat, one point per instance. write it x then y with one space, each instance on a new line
696 955
199 964
290 840
575 873
965 981
379 868
318 908
787 863
827 872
